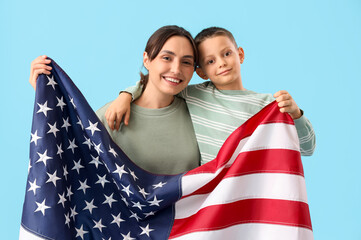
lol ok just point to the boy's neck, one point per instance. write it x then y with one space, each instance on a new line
234 85
153 99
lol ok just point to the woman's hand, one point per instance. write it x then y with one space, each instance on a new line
38 66
287 104
118 109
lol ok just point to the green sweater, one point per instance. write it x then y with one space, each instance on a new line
160 141
216 114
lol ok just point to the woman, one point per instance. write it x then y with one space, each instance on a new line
160 137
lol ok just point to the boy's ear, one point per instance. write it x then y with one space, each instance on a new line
146 60
241 54
201 74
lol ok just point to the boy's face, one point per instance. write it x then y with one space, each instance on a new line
220 61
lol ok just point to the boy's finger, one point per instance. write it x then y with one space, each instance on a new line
110 121
285 103
126 117
118 121
277 94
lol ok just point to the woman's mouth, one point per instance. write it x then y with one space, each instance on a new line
172 80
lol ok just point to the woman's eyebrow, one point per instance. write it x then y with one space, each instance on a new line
173 54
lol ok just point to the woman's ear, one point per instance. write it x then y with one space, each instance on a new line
241 54
146 60
201 74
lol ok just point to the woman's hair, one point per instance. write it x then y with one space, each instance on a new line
213 32
157 41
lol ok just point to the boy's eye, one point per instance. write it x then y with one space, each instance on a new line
227 53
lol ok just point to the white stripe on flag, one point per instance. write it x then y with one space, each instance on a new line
260 139
257 231
261 185
26 235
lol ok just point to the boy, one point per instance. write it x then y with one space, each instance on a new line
219 106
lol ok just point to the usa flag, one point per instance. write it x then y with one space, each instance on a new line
82 186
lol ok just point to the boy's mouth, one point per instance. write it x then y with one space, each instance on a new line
172 80
225 72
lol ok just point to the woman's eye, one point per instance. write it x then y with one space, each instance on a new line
166 58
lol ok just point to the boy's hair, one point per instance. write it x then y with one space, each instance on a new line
213 32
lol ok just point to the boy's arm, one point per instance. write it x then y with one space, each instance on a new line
304 128
306 136
134 91
119 109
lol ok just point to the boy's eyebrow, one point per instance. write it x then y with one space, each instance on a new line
211 55
173 54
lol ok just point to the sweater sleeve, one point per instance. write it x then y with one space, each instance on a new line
135 91
306 136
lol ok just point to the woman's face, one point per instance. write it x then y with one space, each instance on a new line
172 69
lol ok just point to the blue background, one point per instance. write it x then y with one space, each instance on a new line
310 48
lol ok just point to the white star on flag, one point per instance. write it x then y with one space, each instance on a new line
66 123
95 161
83 185
127 237
146 230
60 103
44 108
155 202
120 170
117 219
62 199
80 232
92 127
126 190
72 145
60 150
159 185
51 81
33 186
53 129
35 137
111 150
44 157
73 212
53 178
41 207
90 206
109 200
102 180
77 166
99 225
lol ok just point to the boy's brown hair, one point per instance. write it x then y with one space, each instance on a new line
213 32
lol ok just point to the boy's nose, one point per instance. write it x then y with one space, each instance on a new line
222 63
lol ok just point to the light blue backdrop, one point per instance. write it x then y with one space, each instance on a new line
310 48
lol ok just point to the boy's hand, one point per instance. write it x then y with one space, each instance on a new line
119 108
38 66
287 104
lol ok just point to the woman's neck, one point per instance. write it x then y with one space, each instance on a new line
152 98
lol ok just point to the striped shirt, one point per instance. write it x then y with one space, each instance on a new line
217 113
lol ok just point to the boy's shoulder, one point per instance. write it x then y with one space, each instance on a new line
208 87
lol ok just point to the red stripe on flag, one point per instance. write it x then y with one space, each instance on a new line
268 211
261 161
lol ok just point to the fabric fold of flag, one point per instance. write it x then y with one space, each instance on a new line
81 185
